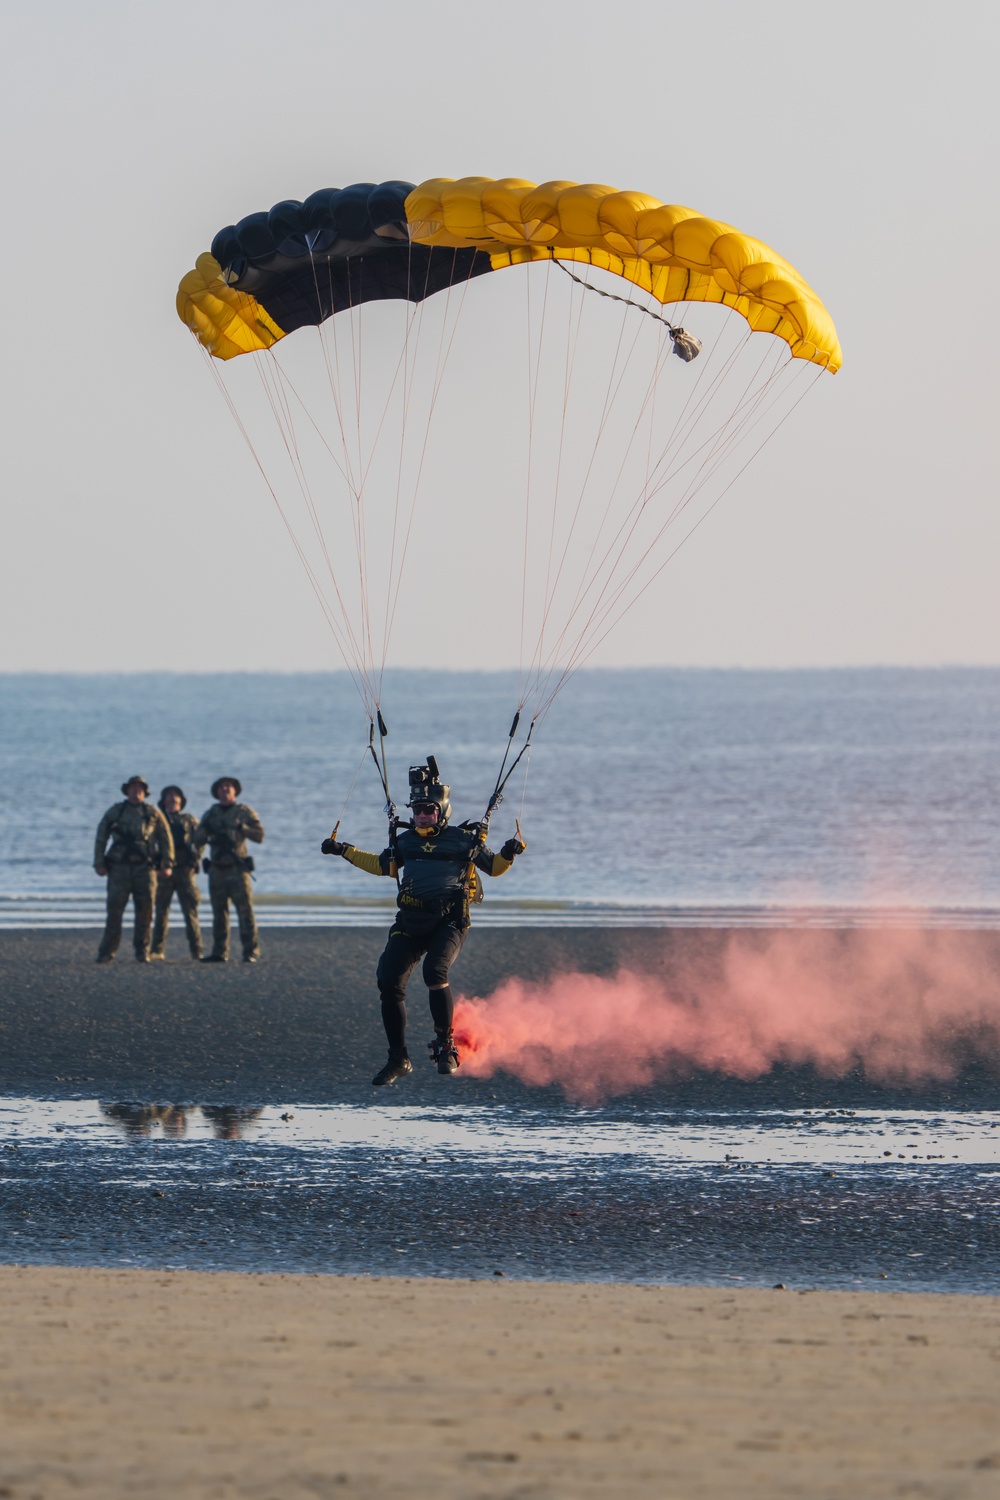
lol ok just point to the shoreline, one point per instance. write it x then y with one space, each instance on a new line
202 1384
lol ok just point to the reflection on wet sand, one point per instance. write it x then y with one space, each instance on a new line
228 1122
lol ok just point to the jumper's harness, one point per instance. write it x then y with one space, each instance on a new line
482 828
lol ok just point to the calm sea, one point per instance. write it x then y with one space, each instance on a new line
656 795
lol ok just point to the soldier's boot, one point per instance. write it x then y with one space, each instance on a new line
444 1053
215 958
105 958
156 953
397 1066
196 953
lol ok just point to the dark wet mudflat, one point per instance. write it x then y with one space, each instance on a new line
223 1119
909 1200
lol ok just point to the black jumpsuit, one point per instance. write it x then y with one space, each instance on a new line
432 917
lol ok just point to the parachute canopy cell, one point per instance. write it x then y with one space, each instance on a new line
300 263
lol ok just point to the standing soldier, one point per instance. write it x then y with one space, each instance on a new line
140 841
226 828
182 883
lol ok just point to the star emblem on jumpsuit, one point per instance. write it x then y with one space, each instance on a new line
428 848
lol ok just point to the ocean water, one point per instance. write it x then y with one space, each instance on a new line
650 794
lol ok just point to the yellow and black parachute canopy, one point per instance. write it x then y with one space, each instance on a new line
300 263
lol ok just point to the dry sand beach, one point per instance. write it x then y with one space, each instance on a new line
116 1382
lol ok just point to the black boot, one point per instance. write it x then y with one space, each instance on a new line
397 1066
444 1053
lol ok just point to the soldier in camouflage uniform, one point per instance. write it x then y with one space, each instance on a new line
140 841
226 828
182 883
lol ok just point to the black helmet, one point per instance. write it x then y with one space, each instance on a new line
140 779
163 796
426 786
220 779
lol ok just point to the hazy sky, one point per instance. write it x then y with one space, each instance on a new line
858 139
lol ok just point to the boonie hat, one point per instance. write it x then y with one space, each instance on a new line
172 788
220 779
140 779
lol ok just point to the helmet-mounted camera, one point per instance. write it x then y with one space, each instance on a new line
426 786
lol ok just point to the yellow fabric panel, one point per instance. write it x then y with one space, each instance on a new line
672 252
224 321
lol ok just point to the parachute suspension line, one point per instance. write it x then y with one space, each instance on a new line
589 575
270 374
286 429
698 400
282 375
443 356
407 390
352 447
358 485
357 354
610 397
350 794
353 481
571 671
569 366
605 607
524 791
310 574
533 388
727 436
333 378
615 550
608 617
746 416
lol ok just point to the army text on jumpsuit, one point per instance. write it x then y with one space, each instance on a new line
140 840
182 883
433 915
226 830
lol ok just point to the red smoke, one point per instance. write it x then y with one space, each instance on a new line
908 1006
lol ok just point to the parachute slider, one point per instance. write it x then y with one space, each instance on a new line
381 724
513 728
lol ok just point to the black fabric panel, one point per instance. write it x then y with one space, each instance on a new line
340 248
310 293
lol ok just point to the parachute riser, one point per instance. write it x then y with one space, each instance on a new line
382 767
495 800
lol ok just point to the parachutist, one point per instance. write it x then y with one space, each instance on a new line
439 870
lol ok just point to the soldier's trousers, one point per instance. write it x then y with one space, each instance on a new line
183 885
125 880
227 884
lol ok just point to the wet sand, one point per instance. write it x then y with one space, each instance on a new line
119 1383
304 1024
